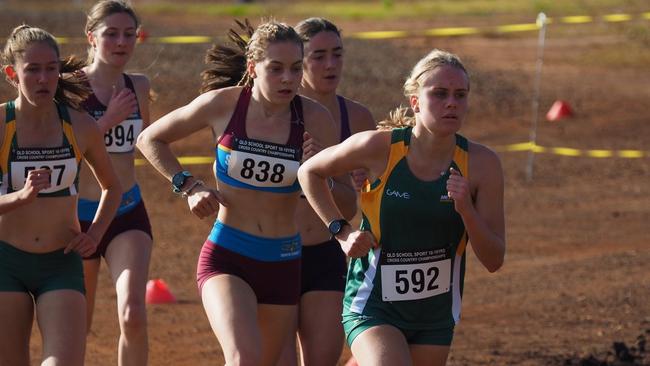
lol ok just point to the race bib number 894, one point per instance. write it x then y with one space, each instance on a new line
122 137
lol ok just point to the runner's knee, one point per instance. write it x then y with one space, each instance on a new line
133 317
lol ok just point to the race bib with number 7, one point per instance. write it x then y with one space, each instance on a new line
62 173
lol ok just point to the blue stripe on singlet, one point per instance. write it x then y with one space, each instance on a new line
86 209
256 247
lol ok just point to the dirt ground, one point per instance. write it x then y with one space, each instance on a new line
575 287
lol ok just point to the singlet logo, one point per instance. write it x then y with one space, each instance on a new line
398 194
290 249
445 198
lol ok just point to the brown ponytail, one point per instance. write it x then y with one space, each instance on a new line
229 61
73 85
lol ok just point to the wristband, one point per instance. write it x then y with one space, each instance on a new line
186 192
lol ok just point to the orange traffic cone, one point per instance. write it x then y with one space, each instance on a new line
142 35
351 362
158 293
559 110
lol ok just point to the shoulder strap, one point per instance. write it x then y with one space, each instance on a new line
296 110
10 111
345 121
68 131
398 149
461 155
237 123
128 82
9 139
64 115
91 103
461 141
297 122
402 134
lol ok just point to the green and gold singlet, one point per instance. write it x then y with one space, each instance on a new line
414 279
62 161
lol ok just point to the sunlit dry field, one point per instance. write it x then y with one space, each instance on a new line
576 277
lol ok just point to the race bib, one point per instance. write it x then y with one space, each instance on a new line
122 137
62 173
415 275
262 164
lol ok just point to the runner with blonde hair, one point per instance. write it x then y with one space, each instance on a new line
430 190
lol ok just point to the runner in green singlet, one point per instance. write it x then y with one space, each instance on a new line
429 190
44 135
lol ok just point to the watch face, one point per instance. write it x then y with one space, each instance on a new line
335 227
179 178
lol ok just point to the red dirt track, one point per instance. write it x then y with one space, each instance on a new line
576 277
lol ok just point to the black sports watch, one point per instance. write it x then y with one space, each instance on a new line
179 179
336 226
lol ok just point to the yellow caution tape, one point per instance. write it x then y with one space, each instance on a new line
522 146
567 151
380 35
457 31
600 153
182 39
185 160
577 19
434 32
70 40
617 17
630 153
517 28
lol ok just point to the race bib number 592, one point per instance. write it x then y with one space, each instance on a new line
400 282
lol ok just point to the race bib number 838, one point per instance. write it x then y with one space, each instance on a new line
261 171
263 164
